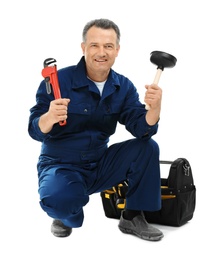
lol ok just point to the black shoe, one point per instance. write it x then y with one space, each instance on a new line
58 229
138 226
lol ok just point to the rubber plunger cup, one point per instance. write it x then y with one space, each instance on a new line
161 60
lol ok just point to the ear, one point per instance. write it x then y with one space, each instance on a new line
83 47
117 50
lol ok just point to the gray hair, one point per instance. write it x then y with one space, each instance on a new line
101 23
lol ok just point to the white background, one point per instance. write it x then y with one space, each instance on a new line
32 31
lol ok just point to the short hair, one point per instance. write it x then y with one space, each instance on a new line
101 23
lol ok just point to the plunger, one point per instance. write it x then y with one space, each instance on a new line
162 60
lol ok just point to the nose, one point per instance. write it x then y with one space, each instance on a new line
102 51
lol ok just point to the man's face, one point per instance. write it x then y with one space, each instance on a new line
100 49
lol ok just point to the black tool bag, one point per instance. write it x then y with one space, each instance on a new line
178 195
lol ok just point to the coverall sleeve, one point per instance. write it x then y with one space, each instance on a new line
133 116
42 105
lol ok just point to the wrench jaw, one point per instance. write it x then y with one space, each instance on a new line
48 85
48 61
47 71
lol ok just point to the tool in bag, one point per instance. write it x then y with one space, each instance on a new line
50 75
178 197
114 200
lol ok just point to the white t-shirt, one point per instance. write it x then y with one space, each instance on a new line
100 86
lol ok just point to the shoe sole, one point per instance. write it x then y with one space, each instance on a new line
132 232
60 234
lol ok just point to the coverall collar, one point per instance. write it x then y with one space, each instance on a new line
80 80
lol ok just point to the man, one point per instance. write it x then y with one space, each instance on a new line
75 159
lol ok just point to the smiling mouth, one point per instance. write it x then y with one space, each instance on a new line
100 60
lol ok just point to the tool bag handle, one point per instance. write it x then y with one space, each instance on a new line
166 162
180 174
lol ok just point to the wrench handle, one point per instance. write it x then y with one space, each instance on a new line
56 90
62 123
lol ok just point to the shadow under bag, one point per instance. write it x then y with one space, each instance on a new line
178 195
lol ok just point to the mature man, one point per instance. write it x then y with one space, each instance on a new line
76 160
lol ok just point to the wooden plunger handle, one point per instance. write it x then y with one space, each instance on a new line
156 80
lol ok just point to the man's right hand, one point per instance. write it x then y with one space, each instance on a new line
58 110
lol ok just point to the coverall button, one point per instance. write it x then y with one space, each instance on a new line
85 110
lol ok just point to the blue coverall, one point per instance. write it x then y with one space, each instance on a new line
76 160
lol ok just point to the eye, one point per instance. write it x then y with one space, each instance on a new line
109 46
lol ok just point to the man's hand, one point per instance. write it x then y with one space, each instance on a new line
57 112
153 97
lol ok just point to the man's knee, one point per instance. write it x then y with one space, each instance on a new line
61 207
62 197
146 146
